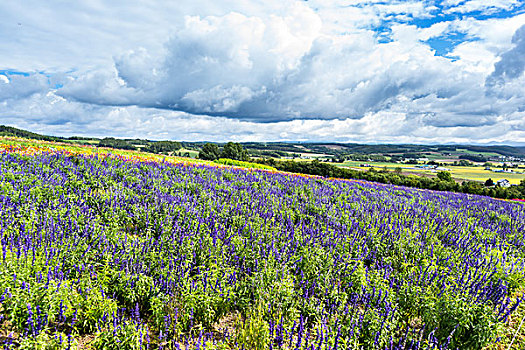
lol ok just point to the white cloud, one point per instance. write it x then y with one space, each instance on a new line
512 63
435 30
277 69
481 5
495 33
20 86
382 126
282 68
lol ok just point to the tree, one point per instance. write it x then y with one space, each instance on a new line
163 147
444 176
473 157
233 150
115 143
210 151
489 182
521 187
472 187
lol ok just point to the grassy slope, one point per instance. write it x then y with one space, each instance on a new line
507 333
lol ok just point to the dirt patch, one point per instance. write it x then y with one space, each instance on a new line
225 327
7 335
85 340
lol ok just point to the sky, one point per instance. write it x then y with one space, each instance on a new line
436 71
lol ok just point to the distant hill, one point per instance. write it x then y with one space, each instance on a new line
12 131
390 149
285 148
384 149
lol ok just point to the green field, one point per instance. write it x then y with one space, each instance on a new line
485 154
192 153
480 174
474 173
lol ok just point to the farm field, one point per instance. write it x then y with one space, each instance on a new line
191 153
110 249
480 174
459 173
466 151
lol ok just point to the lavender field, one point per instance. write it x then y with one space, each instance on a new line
101 253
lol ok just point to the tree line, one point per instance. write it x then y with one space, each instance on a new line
231 150
443 181
148 146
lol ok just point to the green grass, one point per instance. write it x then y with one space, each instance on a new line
477 173
480 174
90 142
182 151
485 154
239 163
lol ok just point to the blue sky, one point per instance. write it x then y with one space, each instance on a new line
449 71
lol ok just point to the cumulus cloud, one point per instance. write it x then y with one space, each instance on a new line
244 70
18 86
480 5
72 118
505 84
512 63
277 68
214 65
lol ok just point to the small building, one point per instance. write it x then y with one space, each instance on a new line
503 183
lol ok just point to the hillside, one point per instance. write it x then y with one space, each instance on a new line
120 250
11 131
279 149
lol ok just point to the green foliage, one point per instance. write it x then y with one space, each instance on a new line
128 252
464 162
444 176
442 182
473 158
124 336
115 143
252 332
44 341
470 326
233 150
239 163
210 151
11 131
163 146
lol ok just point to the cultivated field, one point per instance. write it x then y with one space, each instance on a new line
459 173
127 251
